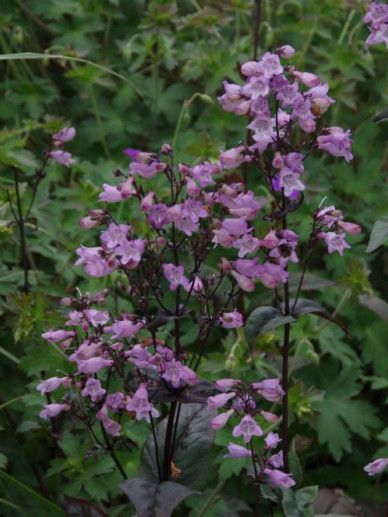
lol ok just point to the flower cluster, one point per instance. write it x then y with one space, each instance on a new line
243 402
56 151
377 20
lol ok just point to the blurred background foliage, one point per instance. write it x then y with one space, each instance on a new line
138 74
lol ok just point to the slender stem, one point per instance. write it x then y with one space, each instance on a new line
285 359
109 448
168 442
23 244
257 480
156 447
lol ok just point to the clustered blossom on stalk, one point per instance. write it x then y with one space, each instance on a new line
121 365
56 151
377 20
243 401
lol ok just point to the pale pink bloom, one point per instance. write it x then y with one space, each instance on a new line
272 274
52 410
336 142
130 252
125 328
52 384
247 244
93 365
220 420
95 317
286 51
147 201
140 405
226 384
290 181
272 440
62 157
54 336
351 228
232 158
376 466
269 417
231 320
276 460
93 389
271 65
114 235
64 135
247 428
334 241
236 451
250 68
269 389
245 283
308 79
220 400
279 478
175 276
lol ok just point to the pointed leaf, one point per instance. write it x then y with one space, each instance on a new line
264 319
152 499
378 235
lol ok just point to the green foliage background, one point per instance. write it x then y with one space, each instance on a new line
163 66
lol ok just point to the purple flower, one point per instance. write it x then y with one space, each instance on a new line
271 65
334 241
232 158
125 328
279 478
140 405
272 440
376 466
52 410
220 420
146 165
336 142
233 99
290 182
62 157
130 252
236 451
158 216
132 153
226 384
115 194
377 18
96 318
94 264
114 235
203 173
276 460
54 336
269 389
175 276
247 244
93 365
220 400
285 51
178 374
307 79
115 401
272 274
64 135
93 390
53 384
247 428
231 320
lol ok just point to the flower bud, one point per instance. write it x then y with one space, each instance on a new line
285 51
166 149
250 68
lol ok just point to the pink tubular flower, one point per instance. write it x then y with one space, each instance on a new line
336 142
272 440
272 274
334 241
124 328
178 374
175 276
247 428
244 283
279 478
233 99
93 389
93 365
377 19
231 320
218 401
52 410
285 51
54 336
140 405
130 252
226 384
220 420
269 417
52 384
114 235
62 157
269 389
276 460
64 135
308 79
232 158
236 451
376 466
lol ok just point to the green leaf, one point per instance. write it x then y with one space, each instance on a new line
380 117
194 438
378 235
375 304
262 320
299 503
29 492
306 306
152 499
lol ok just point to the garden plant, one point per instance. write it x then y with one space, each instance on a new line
195 325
